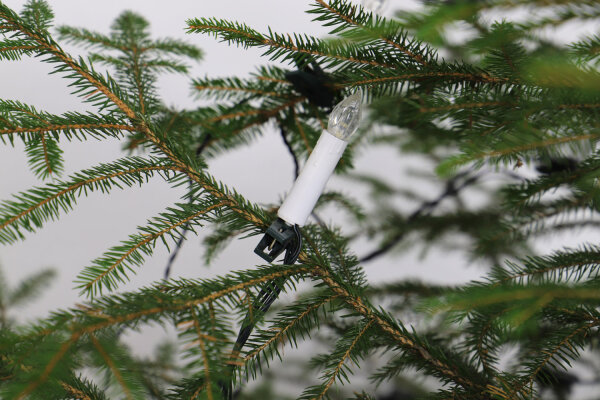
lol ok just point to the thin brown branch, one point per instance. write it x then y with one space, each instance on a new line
137 78
49 367
461 106
301 132
60 55
236 89
343 360
75 392
17 48
350 21
207 382
268 78
578 106
271 43
551 354
544 270
280 334
83 183
111 365
46 157
418 75
96 40
148 239
267 113
535 145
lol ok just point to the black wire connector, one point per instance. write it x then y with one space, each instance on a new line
278 238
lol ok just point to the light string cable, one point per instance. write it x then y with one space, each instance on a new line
261 304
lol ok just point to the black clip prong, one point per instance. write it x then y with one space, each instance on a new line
276 239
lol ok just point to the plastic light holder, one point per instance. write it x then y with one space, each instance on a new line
276 239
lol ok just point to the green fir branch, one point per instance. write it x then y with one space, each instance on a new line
78 388
291 324
286 47
357 24
89 85
115 265
30 210
351 347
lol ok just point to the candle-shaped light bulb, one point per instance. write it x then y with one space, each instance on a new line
343 122
345 117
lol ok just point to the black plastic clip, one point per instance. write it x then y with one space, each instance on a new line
277 239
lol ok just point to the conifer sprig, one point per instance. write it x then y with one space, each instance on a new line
115 264
348 349
89 85
283 47
355 23
293 323
69 330
138 58
30 210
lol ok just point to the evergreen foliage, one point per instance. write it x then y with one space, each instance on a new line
502 101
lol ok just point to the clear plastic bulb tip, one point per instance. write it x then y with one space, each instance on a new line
345 117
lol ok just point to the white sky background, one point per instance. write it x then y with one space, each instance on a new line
262 172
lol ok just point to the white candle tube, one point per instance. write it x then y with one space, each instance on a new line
312 179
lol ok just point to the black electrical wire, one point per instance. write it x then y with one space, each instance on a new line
263 301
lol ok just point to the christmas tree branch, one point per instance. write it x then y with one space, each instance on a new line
282 332
338 368
205 357
405 342
111 266
49 367
51 49
42 204
73 391
89 38
346 15
78 127
281 46
266 113
453 76
565 345
111 365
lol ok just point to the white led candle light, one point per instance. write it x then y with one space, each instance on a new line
343 122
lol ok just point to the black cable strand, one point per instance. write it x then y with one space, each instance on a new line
199 150
176 250
203 145
263 301
452 189
291 150
186 227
